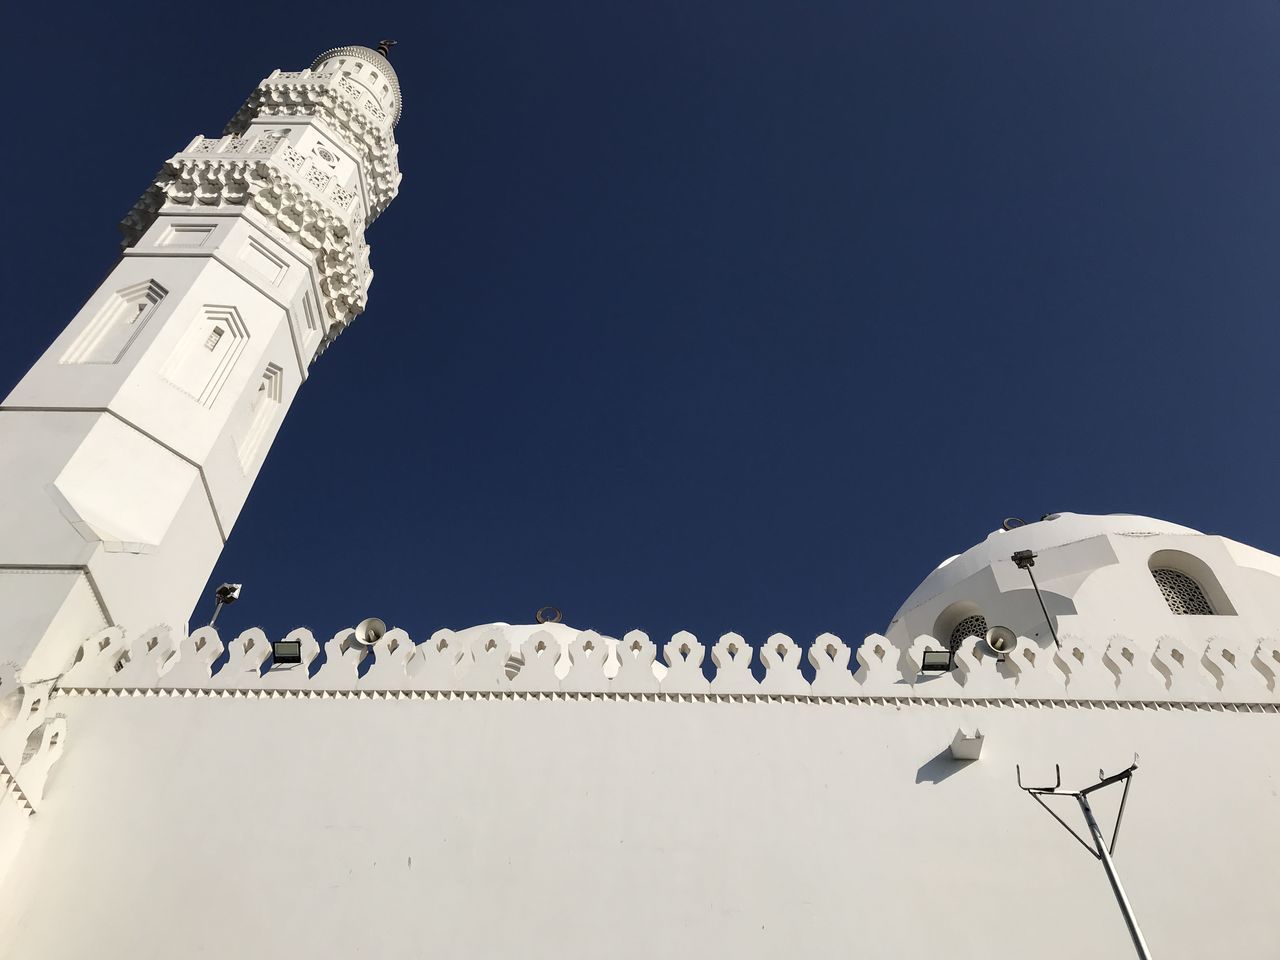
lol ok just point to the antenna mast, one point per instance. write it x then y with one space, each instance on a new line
1100 850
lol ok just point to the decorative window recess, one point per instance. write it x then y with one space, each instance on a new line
264 261
263 407
116 325
205 356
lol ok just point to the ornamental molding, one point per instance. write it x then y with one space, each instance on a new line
267 177
566 695
498 662
347 110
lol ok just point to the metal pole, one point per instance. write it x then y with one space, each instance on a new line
217 609
1104 855
1035 586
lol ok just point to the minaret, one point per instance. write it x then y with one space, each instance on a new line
129 448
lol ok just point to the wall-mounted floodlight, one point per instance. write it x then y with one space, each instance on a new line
225 594
286 652
937 661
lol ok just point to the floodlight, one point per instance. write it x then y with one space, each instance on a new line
937 661
286 652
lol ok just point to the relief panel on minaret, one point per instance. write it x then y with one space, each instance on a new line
116 325
263 409
205 356
186 235
263 261
307 321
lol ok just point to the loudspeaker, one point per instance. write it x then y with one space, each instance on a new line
370 631
1001 639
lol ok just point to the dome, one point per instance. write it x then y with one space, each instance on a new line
1055 530
373 57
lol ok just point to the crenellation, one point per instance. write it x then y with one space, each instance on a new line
192 664
145 657
437 662
780 657
876 672
95 662
1266 660
1186 677
731 655
683 655
483 665
984 674
486 661
537 661
1132 661
829 656
394 658
590 658
637 664
32 736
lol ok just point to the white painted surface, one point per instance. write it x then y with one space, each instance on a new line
1095 577
485 828
129 448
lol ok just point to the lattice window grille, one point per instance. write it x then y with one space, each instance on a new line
1181 593
317 178
974 626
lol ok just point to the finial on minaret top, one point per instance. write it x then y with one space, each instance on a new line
384 47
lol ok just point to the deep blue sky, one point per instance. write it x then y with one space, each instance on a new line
719 315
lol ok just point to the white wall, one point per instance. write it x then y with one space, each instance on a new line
537 827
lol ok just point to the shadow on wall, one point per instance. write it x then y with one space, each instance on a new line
941 766
1028 619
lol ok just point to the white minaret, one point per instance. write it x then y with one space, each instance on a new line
129 448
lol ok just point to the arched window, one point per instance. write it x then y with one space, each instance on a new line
1189 585
974 625
1181 593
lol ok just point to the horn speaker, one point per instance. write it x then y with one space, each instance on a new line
1001 639
370 631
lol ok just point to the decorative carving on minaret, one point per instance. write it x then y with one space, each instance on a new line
257 164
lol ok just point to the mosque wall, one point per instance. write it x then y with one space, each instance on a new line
636 828
388 807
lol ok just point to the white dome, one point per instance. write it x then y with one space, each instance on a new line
1062 529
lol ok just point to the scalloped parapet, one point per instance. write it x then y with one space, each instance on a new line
500 660
32 737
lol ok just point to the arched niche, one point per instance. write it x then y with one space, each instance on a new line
961 614
1175 591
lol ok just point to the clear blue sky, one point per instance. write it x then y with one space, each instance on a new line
720 315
